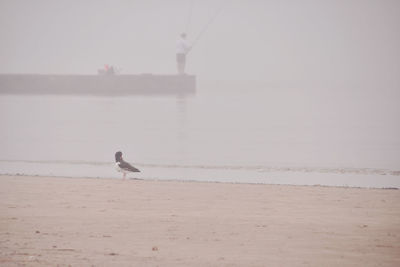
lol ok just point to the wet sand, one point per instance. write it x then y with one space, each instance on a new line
48 221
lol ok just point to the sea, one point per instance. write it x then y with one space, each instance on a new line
225 132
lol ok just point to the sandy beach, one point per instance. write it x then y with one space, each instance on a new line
49 221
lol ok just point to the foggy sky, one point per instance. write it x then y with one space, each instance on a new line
322 41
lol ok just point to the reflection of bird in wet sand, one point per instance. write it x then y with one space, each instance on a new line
123 166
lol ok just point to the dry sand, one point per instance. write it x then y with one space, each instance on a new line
48 221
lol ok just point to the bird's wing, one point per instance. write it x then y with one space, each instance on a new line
126 166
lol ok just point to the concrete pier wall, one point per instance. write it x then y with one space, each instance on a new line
97 84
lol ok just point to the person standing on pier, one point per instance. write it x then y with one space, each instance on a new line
182 48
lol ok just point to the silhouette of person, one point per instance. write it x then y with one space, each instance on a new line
182 48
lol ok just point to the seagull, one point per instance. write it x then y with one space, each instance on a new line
123 166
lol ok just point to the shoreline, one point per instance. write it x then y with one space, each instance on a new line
197 181
98 221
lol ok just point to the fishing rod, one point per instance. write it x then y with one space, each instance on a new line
210 21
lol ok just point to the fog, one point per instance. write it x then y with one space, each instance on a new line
299 92
329 43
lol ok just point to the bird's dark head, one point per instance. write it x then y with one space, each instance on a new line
118 156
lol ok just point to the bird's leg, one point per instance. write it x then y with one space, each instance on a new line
124 176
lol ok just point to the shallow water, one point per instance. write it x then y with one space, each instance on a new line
236 133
